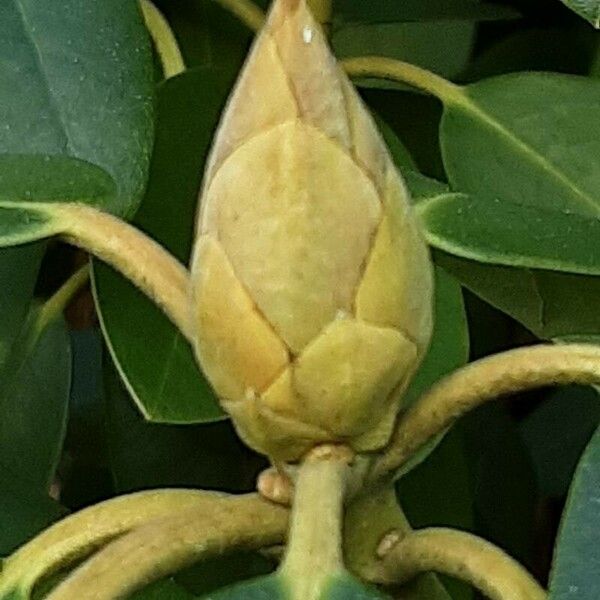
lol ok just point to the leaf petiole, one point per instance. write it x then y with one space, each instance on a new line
480 381
164 40
464 556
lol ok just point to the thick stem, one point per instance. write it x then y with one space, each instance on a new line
246 11
164 546
314 551
164 40
85 531
396 70
465 557
143 261
480 381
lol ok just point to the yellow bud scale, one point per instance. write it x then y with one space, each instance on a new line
312 285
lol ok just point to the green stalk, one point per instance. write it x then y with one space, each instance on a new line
162 547
246 11
56 304
314 551
79 534
464 556
322 11
164 40
399 71
482 381
138 257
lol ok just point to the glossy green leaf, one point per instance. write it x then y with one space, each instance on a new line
18 273
384 11
76 81
271 587
402 158
425 44
556 433
526 138
274 587
24 512
346 587
439 493
155 361
505 496
146 455
577 555
24 503
549 304
29 184
34 393
536 48
449 349
213 574
588 9
512 234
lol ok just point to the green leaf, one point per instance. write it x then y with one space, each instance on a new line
147 455
24 512
212 574
526 138
274 587
18 274
384 11
439 493
155 361
449 349
550 305
34 393
556 434
538 48
76 82
425 44
512 234
346 587
402 158
271 587
577 555
28 181
588 9
504 487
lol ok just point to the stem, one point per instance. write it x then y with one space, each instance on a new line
246 11
463 556
399 71
314 551
164 40
56 304
480 381
142 260
166 545
79 534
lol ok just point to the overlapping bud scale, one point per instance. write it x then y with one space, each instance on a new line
312 286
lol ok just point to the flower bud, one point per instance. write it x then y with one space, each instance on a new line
312 285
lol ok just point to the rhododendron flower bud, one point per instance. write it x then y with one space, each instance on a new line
312 285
